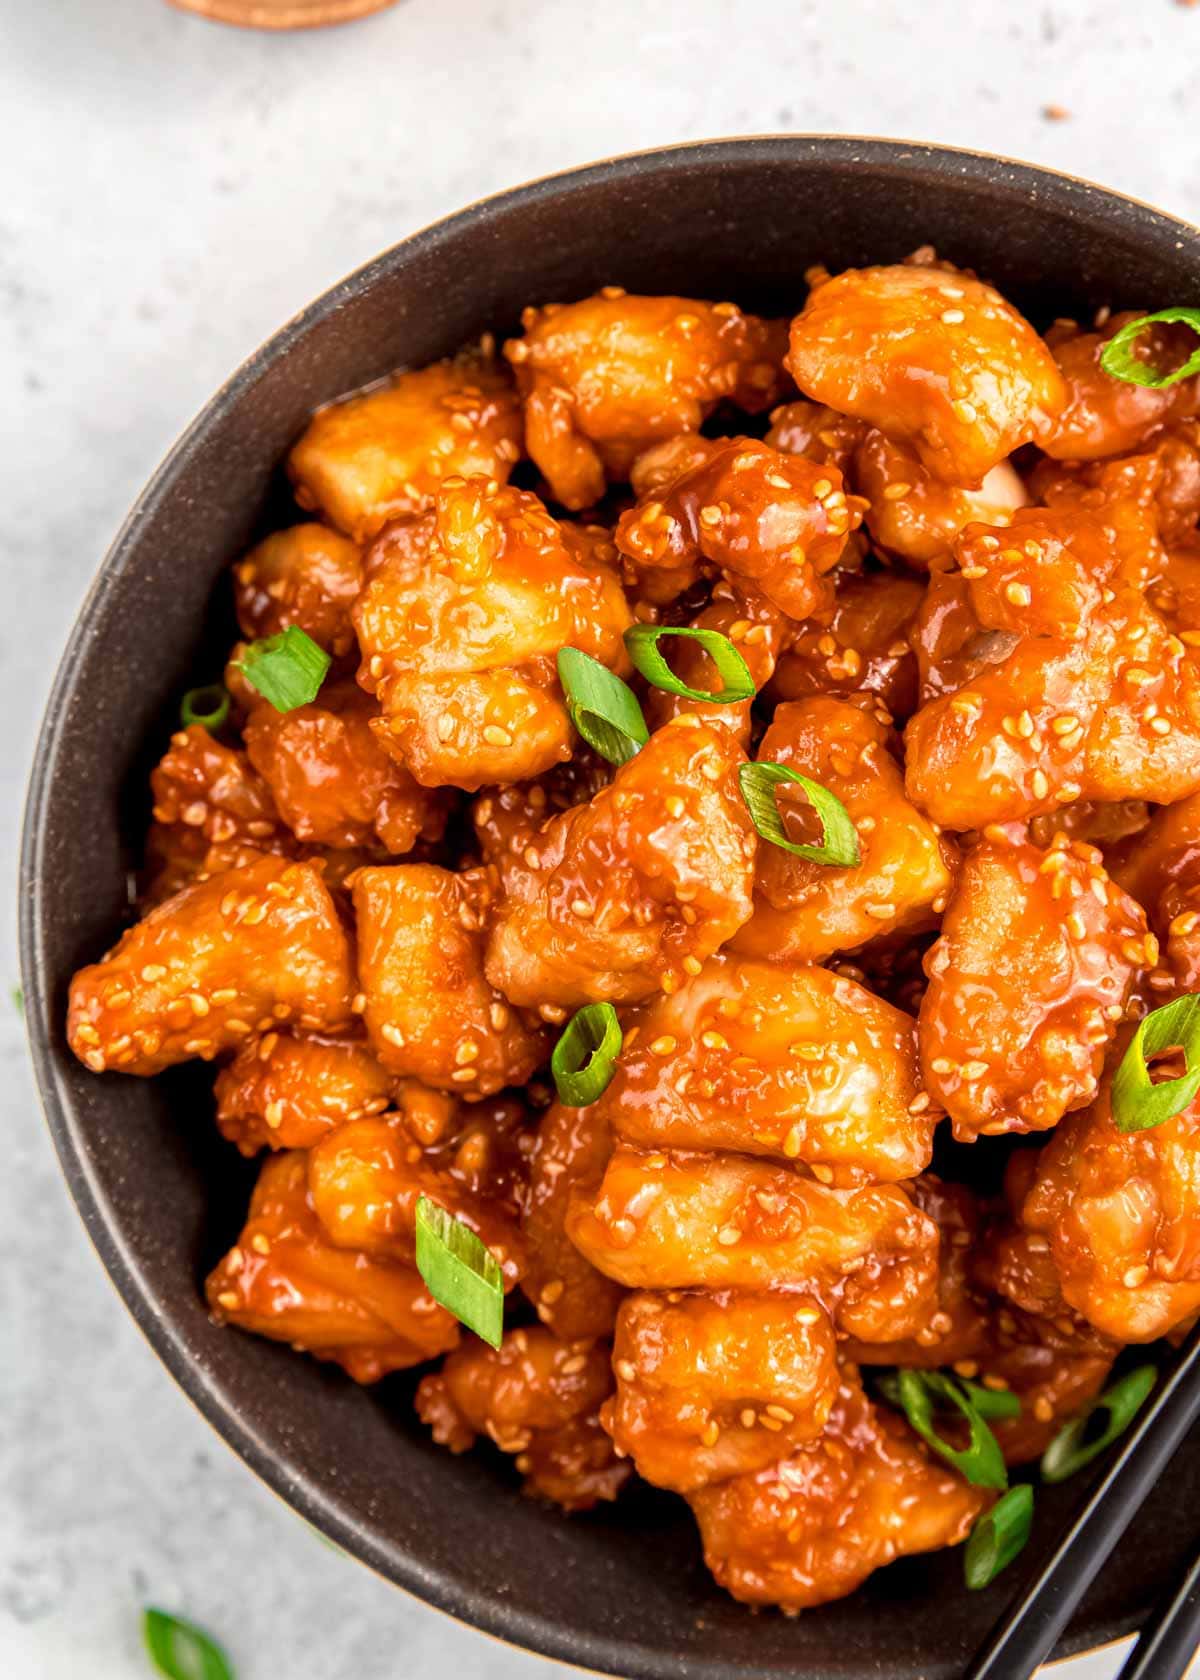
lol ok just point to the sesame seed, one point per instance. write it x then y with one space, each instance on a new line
228 1299
897 492
822 488
822 1174
154 971
552 1291
570 1367
463 1075
1039 784
710 1434
663 1046
392 1034
728 1235
952 317
497 737
445 727
1135 1276
748 1417
626 1370
674 806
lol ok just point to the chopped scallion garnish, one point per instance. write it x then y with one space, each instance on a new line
602 708
998 1536
287 669
642 643
1117 357
991 1402
460 1271
182 1651
981 1461
1137 1102
208 706
1070 1450
585 1057
839 838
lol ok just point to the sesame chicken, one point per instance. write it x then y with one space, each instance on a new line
307 575
1106 416
566 1290
822 434
1160 866
602 379
858 647
285 1090
915 515
759 632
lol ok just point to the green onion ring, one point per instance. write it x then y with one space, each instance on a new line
287 670
991 1402
585 1057
1138 1103
839 837
603 709
998 1536
460 1271
1067 1453
1117 357
982 1462
207 706
181 1651
642 643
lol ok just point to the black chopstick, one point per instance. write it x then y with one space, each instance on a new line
1025 1635
1168 1642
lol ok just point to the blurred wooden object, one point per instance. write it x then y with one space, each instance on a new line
282 14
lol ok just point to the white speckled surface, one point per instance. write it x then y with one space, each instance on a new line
170 191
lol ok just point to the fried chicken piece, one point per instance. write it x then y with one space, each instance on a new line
332 781
777 522
211 810
283 1279
1120 1213
365 1179
713 1386
196 976
459 636
1108 416
624 895
1042 576
570 1295
537 1397
1052 1387
604 378
285 1090
806 911
1161 868
932 358
915 515
1027 984
822 434
770 1059
387 452
307 575
430 1012
813 1527
859 646
692 1221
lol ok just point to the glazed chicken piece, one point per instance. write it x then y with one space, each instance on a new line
429 1010
459 636
777 522
536 1397
915 515
285 1280
806 911
332 781
1161 868
813 1527
604 378
758 630
860 646
1120 1213
242 952
1027 985
570 1295
822 434
307 575
285 1090
627 894
1043 575
387 452
713 1386
211 810
691 1221
769 1059
1107 416
934 359
365 1179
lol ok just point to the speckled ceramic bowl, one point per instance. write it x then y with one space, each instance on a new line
622 1590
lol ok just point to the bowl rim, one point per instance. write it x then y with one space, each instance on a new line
533 1631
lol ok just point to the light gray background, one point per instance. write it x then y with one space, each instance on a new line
171 191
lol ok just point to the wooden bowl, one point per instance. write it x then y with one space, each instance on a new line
623 1590
282 14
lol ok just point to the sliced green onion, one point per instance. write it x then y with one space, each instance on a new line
1118 359
182 1651
998 1536
585 1057
1069 1451
642 643
839 837
287 669
603 709
982 1462
460 1271
1138 1103
991 1402
208 706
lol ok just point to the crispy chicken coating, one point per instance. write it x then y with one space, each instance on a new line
770 1059
429 1010
1027 984
332 781
623 896
284 1279
932 358
713 1386
459 636
806 911
1161 868
211 810
1107 416
813 1527
570 1295
689 1221
604 378
285 1090
536 1397
859 646
915 515
244 951
387 452
307 575
825 436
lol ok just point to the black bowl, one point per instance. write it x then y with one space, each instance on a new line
623 1590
